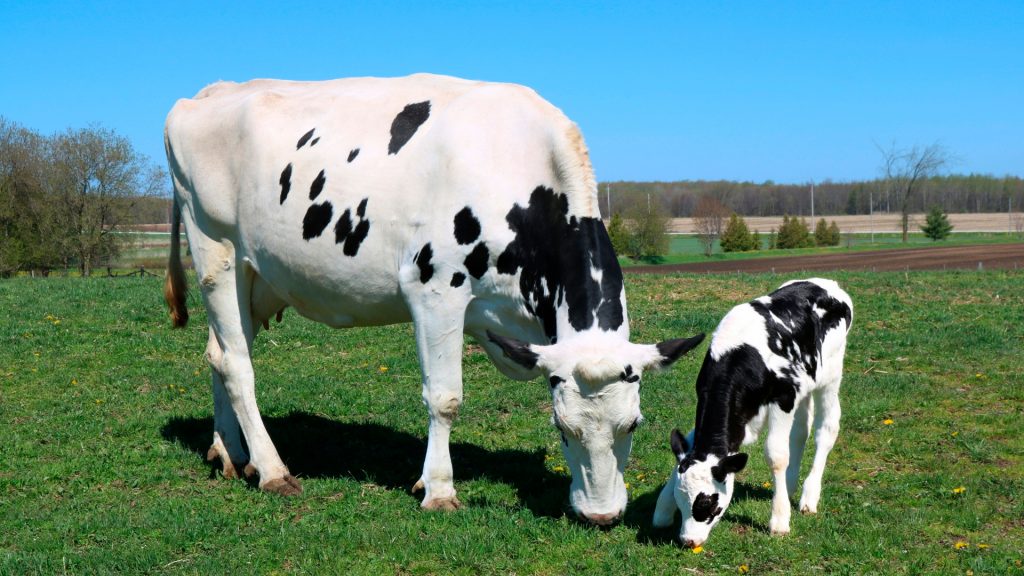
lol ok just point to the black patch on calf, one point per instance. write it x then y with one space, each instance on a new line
476 262
555 381
317 186
423 262
352 155
467 227
705 507
315 140
305 138
457 279
558 252
628 375
286 181
406 123
361 209
317 218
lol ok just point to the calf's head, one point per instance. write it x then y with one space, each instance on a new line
595 393
703 488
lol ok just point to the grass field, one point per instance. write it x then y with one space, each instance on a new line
105 415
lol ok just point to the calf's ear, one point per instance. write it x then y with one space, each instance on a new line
671 350
520 352
729 465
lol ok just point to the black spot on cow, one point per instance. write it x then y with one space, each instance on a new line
554 381
557 256
317 186
457 279
705 507
406 123
352 155
467 227
423 263
286 182
352 233
628 375
476 262
305 138
317 218
314 141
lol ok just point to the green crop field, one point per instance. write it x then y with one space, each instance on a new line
105 418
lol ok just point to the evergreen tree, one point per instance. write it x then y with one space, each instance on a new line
833 234
937 225
737 237
821 235
619 234
757 240
794 233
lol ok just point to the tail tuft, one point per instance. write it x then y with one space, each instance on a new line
175 287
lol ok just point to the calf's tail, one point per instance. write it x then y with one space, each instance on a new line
175 288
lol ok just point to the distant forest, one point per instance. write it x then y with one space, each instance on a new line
954 194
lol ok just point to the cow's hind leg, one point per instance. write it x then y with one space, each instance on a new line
226 293
227 444
798 441
438 320
776 452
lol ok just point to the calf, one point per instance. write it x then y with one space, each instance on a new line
780 358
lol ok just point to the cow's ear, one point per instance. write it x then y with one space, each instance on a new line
520 352
669 351
679 444
729 465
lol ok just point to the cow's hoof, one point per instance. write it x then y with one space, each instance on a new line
287 486
446 504
249 470
228 468
808 509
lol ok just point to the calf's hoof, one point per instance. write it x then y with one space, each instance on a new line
808 509
446 504
287 486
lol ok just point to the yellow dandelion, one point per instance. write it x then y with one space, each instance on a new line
743 569
887 421
559 468
954 433
74 382
767 485
970 573
960 545
98 401
382 369
36 354
959 490
548 457
641 476
627 485
983 546
697 549
56 322
196 373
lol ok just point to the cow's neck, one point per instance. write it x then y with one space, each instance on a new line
570 279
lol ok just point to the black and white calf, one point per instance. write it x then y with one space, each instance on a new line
460 206
778 358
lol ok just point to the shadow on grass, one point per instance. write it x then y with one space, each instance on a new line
317 447
641 510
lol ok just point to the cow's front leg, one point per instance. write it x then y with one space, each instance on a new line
439 318
776 452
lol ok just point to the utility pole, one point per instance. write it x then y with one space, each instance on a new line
812 202
648 202
871 214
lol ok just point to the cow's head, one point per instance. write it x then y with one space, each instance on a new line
595 392
703 488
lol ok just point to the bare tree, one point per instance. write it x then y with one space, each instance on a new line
906 171
709 220
96 175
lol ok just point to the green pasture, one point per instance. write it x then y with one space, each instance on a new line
105 416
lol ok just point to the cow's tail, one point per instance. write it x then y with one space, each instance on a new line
175 288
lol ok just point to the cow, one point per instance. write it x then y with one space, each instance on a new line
460 206
778 359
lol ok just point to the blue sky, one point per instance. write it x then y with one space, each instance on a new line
783 91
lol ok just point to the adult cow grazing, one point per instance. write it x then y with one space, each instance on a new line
778 358
459 206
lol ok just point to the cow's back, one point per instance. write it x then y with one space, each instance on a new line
331 191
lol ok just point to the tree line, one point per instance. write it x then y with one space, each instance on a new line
63 196
955 193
